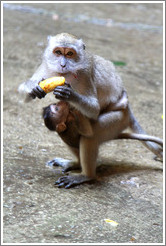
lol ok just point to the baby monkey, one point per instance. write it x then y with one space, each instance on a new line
70 125
68 122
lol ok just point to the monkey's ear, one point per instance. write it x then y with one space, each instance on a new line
81 44
61 127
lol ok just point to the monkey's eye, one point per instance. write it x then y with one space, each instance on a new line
56 108
70 53
58 52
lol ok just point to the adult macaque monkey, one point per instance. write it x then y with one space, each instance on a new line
95 87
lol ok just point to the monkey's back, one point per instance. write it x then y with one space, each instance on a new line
108 83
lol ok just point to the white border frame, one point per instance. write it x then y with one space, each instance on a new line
20 2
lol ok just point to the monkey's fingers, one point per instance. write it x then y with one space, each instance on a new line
67 84
37 92
32 95
62 93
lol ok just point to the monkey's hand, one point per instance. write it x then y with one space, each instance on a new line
65 93
37 92
87 104
70 181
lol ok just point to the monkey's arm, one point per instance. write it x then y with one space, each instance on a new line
88 105
30 87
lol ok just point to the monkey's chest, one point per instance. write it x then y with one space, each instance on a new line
70 78
76 82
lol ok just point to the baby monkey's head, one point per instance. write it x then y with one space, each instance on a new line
55 116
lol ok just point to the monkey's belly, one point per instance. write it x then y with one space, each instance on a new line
70 137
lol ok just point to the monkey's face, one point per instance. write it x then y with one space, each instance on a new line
64 54
65 57
55 115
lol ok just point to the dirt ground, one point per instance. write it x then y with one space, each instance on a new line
129 188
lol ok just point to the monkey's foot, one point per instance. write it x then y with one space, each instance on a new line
159 155
70 181
66 165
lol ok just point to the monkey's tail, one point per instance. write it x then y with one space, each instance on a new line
136 128
141 137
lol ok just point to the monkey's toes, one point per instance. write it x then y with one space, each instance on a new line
63 182
71 181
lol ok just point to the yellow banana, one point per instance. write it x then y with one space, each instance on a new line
49 84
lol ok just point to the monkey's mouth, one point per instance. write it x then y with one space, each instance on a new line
62 74
67 74
63 70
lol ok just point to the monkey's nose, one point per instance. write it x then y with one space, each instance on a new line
63 62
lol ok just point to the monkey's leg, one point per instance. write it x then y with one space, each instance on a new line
118 118
75 164
89 148
115 123
88 156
